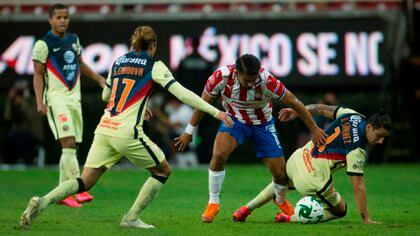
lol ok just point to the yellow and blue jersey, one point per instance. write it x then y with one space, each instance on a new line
130 83
60 56
345 145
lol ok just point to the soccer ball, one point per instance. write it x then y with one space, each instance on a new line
309 210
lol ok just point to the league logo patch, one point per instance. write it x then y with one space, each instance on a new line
69 57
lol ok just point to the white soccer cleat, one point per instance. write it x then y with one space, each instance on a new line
31 212
134 224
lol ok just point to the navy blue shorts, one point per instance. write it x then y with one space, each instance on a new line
264 136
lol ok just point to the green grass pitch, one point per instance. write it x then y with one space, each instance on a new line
393 198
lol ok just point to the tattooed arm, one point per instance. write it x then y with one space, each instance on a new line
288 114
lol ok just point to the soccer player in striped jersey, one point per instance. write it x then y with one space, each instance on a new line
310 168
131 81
57 66
247 89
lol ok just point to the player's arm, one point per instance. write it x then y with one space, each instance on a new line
162 76
106 92
318 135
40 55
87 71
359 189
182 141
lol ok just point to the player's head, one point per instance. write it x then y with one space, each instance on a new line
378 127
58 18
247 69
144 39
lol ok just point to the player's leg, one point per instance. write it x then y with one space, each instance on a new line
267 194
76 116
61 123
69 167
146 154
101 156
37 204
268 147
224 145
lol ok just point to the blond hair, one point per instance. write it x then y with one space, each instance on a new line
142 38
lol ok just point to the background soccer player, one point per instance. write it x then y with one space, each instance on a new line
57 66
131 81
309 168
247 90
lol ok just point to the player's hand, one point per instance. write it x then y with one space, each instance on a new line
225 118
102 82
370 222
287 114
182 141
319 137
148 114
41 108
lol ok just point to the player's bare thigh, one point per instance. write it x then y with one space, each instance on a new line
224 144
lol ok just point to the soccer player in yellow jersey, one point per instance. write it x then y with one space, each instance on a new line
310 168
131 82
57 67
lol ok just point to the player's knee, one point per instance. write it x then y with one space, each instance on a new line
342 212
219 158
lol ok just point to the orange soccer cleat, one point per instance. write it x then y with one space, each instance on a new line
210 212
282 218
84 197
70 202
286 207
241 214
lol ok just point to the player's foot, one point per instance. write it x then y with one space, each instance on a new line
134 224
286 207
70 202
241 214
83 197
210 212
282 218
31 212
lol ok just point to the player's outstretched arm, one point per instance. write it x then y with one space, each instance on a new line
327 111
87 71
361 198
182 141
318 135
39 71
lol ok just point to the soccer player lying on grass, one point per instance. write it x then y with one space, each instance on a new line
309 168
131 82
247 90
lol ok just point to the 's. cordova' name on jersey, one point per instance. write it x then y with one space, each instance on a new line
124 59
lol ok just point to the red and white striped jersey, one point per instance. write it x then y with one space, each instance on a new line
250 106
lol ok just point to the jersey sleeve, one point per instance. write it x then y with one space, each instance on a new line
340 111
106 92
355 162
162 75
78 48
40 53
275 88
214 83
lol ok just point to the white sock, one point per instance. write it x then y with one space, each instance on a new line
280 191
69 166
215 185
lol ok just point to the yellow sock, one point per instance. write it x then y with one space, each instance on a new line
147 193
61 192
266 195
69 166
